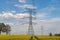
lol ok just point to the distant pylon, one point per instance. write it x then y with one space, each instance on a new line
41 30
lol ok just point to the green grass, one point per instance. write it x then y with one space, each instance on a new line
27 37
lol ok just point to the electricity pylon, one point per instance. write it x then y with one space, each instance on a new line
31 11
30 29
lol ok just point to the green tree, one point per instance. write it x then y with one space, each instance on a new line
1 26
6 29
50 34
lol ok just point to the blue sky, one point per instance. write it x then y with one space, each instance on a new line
47 15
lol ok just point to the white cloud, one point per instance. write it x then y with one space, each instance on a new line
26 6
54 20
41 15
17 16
7 15
51 20
45 12
0 14
30 6
21 15
48 9
22 1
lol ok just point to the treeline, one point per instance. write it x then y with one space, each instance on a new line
54 34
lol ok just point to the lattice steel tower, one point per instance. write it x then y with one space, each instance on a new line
30 29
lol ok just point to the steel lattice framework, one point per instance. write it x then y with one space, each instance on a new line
30 29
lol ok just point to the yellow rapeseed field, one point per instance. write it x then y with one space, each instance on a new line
14 37
28 37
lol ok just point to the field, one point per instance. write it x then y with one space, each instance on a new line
27 37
